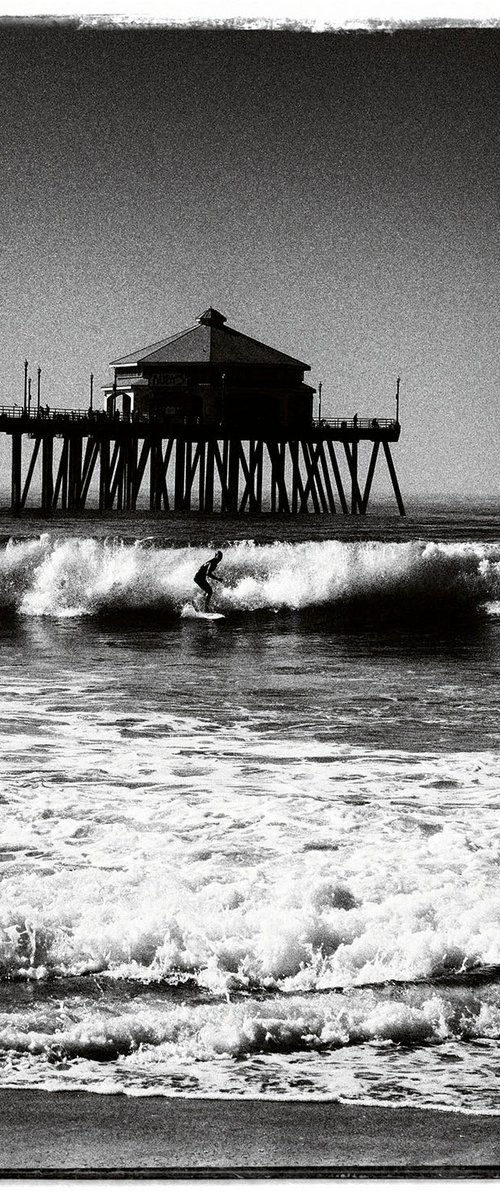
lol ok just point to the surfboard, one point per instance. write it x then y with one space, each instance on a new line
199 616
191 613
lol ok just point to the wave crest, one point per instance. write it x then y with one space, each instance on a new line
73 577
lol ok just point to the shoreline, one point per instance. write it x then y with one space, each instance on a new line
94 1135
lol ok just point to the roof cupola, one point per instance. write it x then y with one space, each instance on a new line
212 317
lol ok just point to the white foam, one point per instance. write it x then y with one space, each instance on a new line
76 576
262 1049
215 871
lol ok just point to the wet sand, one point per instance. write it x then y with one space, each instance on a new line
59 1133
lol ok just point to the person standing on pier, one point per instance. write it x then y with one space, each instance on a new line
204 573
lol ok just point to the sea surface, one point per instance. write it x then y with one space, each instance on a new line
257 857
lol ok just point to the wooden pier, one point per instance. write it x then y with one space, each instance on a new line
74 460
207 420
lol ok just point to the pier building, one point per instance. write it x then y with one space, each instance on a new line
208 419
212 375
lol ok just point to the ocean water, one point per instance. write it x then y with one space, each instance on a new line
259 856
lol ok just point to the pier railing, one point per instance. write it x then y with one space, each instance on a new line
45 413
356 423
16 411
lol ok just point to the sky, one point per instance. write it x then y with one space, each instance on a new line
333 194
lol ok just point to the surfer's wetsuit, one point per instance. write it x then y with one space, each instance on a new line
201 577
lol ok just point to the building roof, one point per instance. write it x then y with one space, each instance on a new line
209 341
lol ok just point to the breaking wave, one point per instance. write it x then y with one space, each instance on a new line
344 1048
313 936
73 577
253 1027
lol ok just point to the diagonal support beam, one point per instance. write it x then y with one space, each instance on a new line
276 452
394 479
248 471
337 476
62 477
220 461
297 484
369 476
164 461
141 467
91 456
192 462
352 463
31 468
104 474
116 469
75 470
89 473
311 456
251 475
326 477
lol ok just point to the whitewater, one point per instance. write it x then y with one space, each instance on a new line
59 577
256 857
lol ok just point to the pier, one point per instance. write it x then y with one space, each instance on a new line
208 420
57 458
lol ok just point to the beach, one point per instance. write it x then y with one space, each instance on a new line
66 1132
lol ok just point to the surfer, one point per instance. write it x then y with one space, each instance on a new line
205 572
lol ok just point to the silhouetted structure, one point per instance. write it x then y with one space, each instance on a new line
211 375
210 419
